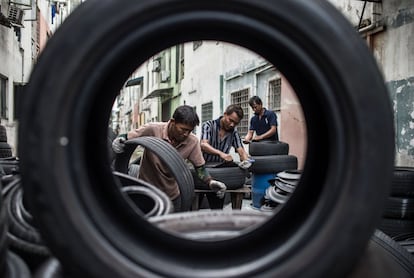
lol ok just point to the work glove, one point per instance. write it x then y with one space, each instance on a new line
218 187
118 144
245 164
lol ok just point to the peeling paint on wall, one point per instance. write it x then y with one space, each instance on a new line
402 96
402 17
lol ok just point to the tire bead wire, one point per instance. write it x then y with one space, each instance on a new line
165 204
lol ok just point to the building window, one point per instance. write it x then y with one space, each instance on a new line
3 97
206 111
275 88
181 71
242 98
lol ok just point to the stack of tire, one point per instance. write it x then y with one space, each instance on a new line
398 215
282 187
24 239
9 164
12 263
270 158
5 149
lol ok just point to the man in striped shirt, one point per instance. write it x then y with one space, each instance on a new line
217 138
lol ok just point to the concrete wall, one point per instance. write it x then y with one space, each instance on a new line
15 66
18 57
292 123
393 48
201 83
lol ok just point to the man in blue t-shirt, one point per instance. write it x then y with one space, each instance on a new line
264 122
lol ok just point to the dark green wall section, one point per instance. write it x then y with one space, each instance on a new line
402 96
221 94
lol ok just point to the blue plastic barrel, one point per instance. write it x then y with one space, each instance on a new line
260 182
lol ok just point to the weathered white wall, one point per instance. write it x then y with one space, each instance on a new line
17 58
201 83
353 9
214 60
393 49
15 66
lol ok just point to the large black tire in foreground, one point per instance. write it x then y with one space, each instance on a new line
323 228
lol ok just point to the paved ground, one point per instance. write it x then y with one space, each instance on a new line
246 205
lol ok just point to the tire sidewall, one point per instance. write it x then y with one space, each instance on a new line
329 93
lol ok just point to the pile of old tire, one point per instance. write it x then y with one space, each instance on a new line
12 265
9 164
270 158
322 230
280 189
5 148
9 167
398 214
23 236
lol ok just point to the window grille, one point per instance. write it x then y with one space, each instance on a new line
206 111
275 88
242 98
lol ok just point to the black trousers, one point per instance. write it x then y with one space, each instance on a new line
214 202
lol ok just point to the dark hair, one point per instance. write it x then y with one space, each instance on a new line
185 114
255 100
235 108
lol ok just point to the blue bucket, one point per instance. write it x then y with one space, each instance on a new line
260 182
